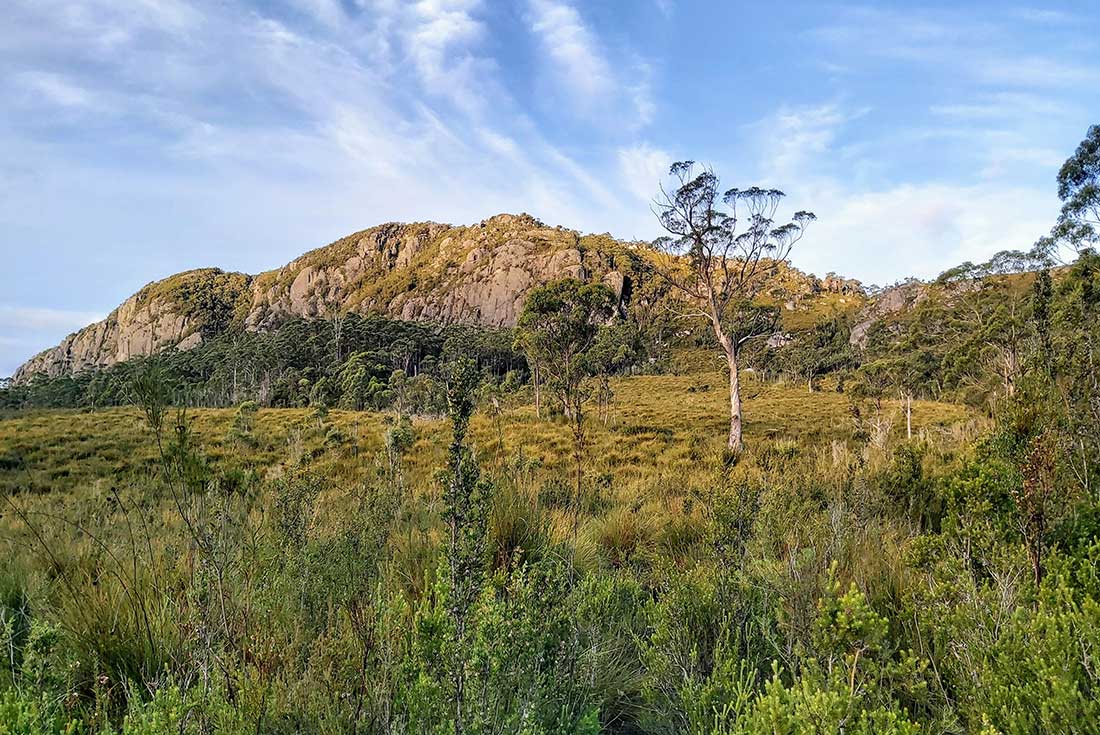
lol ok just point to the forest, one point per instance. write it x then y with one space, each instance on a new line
583 523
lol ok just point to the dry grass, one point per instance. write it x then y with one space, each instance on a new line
663 432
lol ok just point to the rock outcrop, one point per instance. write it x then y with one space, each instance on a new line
891 301
422 271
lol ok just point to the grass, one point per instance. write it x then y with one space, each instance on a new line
660 428
86 487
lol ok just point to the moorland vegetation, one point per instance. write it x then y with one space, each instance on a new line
361 525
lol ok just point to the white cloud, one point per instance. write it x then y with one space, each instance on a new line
258 140
582 69
327 12
25 331
1042 15
797 138
259 132
1035 71
880 231
56 89
975 46
440 35
919 229
643 168
1003 105
1001 159
572 46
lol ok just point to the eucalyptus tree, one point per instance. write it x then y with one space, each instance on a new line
1078 225
721 253
559 329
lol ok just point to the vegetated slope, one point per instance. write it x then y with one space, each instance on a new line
424 271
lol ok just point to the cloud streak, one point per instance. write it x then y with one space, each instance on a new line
585 75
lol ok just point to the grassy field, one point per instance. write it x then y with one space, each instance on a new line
647 470
306 522
658 424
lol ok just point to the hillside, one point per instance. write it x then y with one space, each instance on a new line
424 271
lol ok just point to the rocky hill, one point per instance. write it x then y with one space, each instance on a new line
423 271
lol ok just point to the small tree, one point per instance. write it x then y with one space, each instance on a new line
466 497
820 350
243 428
616 348
721 252
558 328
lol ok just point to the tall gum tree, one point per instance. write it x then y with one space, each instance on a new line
1078 226
721 251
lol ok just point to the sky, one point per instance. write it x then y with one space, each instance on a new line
139 138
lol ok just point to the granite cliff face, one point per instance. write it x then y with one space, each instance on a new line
423 271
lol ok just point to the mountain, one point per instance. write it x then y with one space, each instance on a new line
421 271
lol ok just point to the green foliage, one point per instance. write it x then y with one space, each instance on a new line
808 707
1079 190
559 328
823 349
301 569
356 365
22 713
243 427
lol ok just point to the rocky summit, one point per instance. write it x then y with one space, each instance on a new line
422 271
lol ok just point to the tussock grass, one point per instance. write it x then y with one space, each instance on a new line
660 426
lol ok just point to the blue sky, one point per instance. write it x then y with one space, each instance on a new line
143 137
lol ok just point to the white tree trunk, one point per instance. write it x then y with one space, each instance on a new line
908 416
538 391
736 444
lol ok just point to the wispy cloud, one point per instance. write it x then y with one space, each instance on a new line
1001 106
27 330
978 45
1042 15
572 46
1035 71
440 37
642 167
796 139
277 132
589 79
886 229
159 135
56 89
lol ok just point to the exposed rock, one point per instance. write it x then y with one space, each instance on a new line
832 283
779 339
891 301
420 271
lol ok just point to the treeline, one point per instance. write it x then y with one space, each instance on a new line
349 361
963 340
